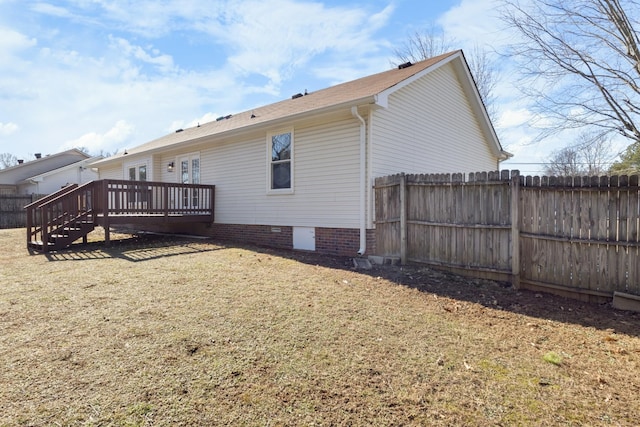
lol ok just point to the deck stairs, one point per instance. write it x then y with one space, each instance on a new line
58 220
62 237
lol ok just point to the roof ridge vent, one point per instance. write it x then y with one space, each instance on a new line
405 65
179 130
297 95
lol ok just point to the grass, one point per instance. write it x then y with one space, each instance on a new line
553 358
158 331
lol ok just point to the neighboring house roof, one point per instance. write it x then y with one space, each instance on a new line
373 89
43 176
14 174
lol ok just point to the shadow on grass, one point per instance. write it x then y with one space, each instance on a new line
494 295
137 248
498 296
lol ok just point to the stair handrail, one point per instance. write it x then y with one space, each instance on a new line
50 220
34 208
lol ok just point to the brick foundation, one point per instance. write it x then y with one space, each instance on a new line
330 241
261 235
342 241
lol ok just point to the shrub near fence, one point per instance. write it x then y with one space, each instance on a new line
576 235
12 213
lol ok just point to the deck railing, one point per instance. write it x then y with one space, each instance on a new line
147 198
111 201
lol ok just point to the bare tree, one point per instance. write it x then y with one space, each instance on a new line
595 152
432 42
581 62
486 78
589 155
7 160
564 162
423 45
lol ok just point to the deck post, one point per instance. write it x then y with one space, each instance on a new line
165 198
29 221
44 230
105 209
212 202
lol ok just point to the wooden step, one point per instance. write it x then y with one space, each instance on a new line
37 244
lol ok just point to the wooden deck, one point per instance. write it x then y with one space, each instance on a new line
59 219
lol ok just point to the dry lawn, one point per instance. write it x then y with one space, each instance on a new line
172 331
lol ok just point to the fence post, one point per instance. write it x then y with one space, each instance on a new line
403 219
515 229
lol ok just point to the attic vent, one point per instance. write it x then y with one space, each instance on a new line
297 95
179 130
220 118
405 65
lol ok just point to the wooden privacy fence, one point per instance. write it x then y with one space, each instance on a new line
573 235
12 213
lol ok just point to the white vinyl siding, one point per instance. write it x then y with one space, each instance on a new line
61 178
112 172
429 127
326 178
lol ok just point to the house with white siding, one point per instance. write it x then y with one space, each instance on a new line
299 173
51 181
47 174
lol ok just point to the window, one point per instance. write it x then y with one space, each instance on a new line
142 173
138 172
280 147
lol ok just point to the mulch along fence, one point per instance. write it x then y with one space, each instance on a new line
12 213
576 236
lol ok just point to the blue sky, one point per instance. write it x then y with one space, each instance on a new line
112 74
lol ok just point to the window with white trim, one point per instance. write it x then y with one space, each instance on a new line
280 147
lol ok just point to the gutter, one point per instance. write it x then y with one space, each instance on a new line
504 155
363 181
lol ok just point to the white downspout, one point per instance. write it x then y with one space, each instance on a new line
363 181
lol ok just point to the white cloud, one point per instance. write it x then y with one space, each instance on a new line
108 141
512 118
49 9
162 61
473 21
12 42
274 38
8 128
